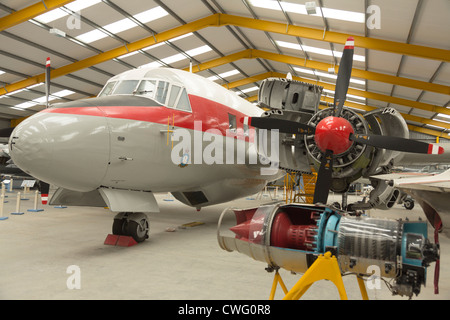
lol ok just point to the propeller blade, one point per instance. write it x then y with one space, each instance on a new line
397 144
47 81
323 182
437 227
44 189
285 126
343 78
5 133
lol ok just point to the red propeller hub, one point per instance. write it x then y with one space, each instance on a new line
332 133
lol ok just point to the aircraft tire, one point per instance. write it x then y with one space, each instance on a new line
139 231
409 204
119 227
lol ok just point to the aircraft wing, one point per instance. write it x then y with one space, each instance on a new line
416 181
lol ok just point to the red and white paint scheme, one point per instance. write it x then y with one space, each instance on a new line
116 150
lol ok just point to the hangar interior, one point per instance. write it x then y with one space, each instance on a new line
401 60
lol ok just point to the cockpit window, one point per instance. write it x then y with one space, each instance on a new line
183 102
107 89
173 96
147 88
126 87
161 91
174 91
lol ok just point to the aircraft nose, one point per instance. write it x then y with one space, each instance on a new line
64 149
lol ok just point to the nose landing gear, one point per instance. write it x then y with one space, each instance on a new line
132 224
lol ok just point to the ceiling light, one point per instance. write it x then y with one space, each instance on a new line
2 72
57 32
310 7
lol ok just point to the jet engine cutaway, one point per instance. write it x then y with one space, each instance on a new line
292 236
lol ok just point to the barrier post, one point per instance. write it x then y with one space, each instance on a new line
17 212
35 209
2 197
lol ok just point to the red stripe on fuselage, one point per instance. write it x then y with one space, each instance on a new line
212 115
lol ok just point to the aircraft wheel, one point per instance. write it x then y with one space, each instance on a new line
119 227
409 204
138 230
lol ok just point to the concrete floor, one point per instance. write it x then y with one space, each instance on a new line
37 250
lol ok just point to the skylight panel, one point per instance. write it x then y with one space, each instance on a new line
91 36
327 75
51 16
443 115
223 75
348 95
326 52
345 15
178 56
247 90
43 99
58 13
198 51
151 15
26 105
122 25
63 93
81 4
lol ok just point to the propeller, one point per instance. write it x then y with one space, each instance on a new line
47 81
334 134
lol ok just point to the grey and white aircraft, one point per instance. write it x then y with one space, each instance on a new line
167 130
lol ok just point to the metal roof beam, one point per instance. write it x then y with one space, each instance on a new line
30 12
218 20
358 73
336 37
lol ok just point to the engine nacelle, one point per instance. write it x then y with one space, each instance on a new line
292 236
299 101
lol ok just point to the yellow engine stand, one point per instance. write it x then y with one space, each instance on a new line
325 267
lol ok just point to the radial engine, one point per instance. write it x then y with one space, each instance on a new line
292 236
296 101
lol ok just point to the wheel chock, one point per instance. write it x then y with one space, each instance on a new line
121 241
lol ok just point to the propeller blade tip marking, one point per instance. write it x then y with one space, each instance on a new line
350 43
433 149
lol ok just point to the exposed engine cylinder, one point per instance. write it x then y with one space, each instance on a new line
292 236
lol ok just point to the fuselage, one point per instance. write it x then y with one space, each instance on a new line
159 130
